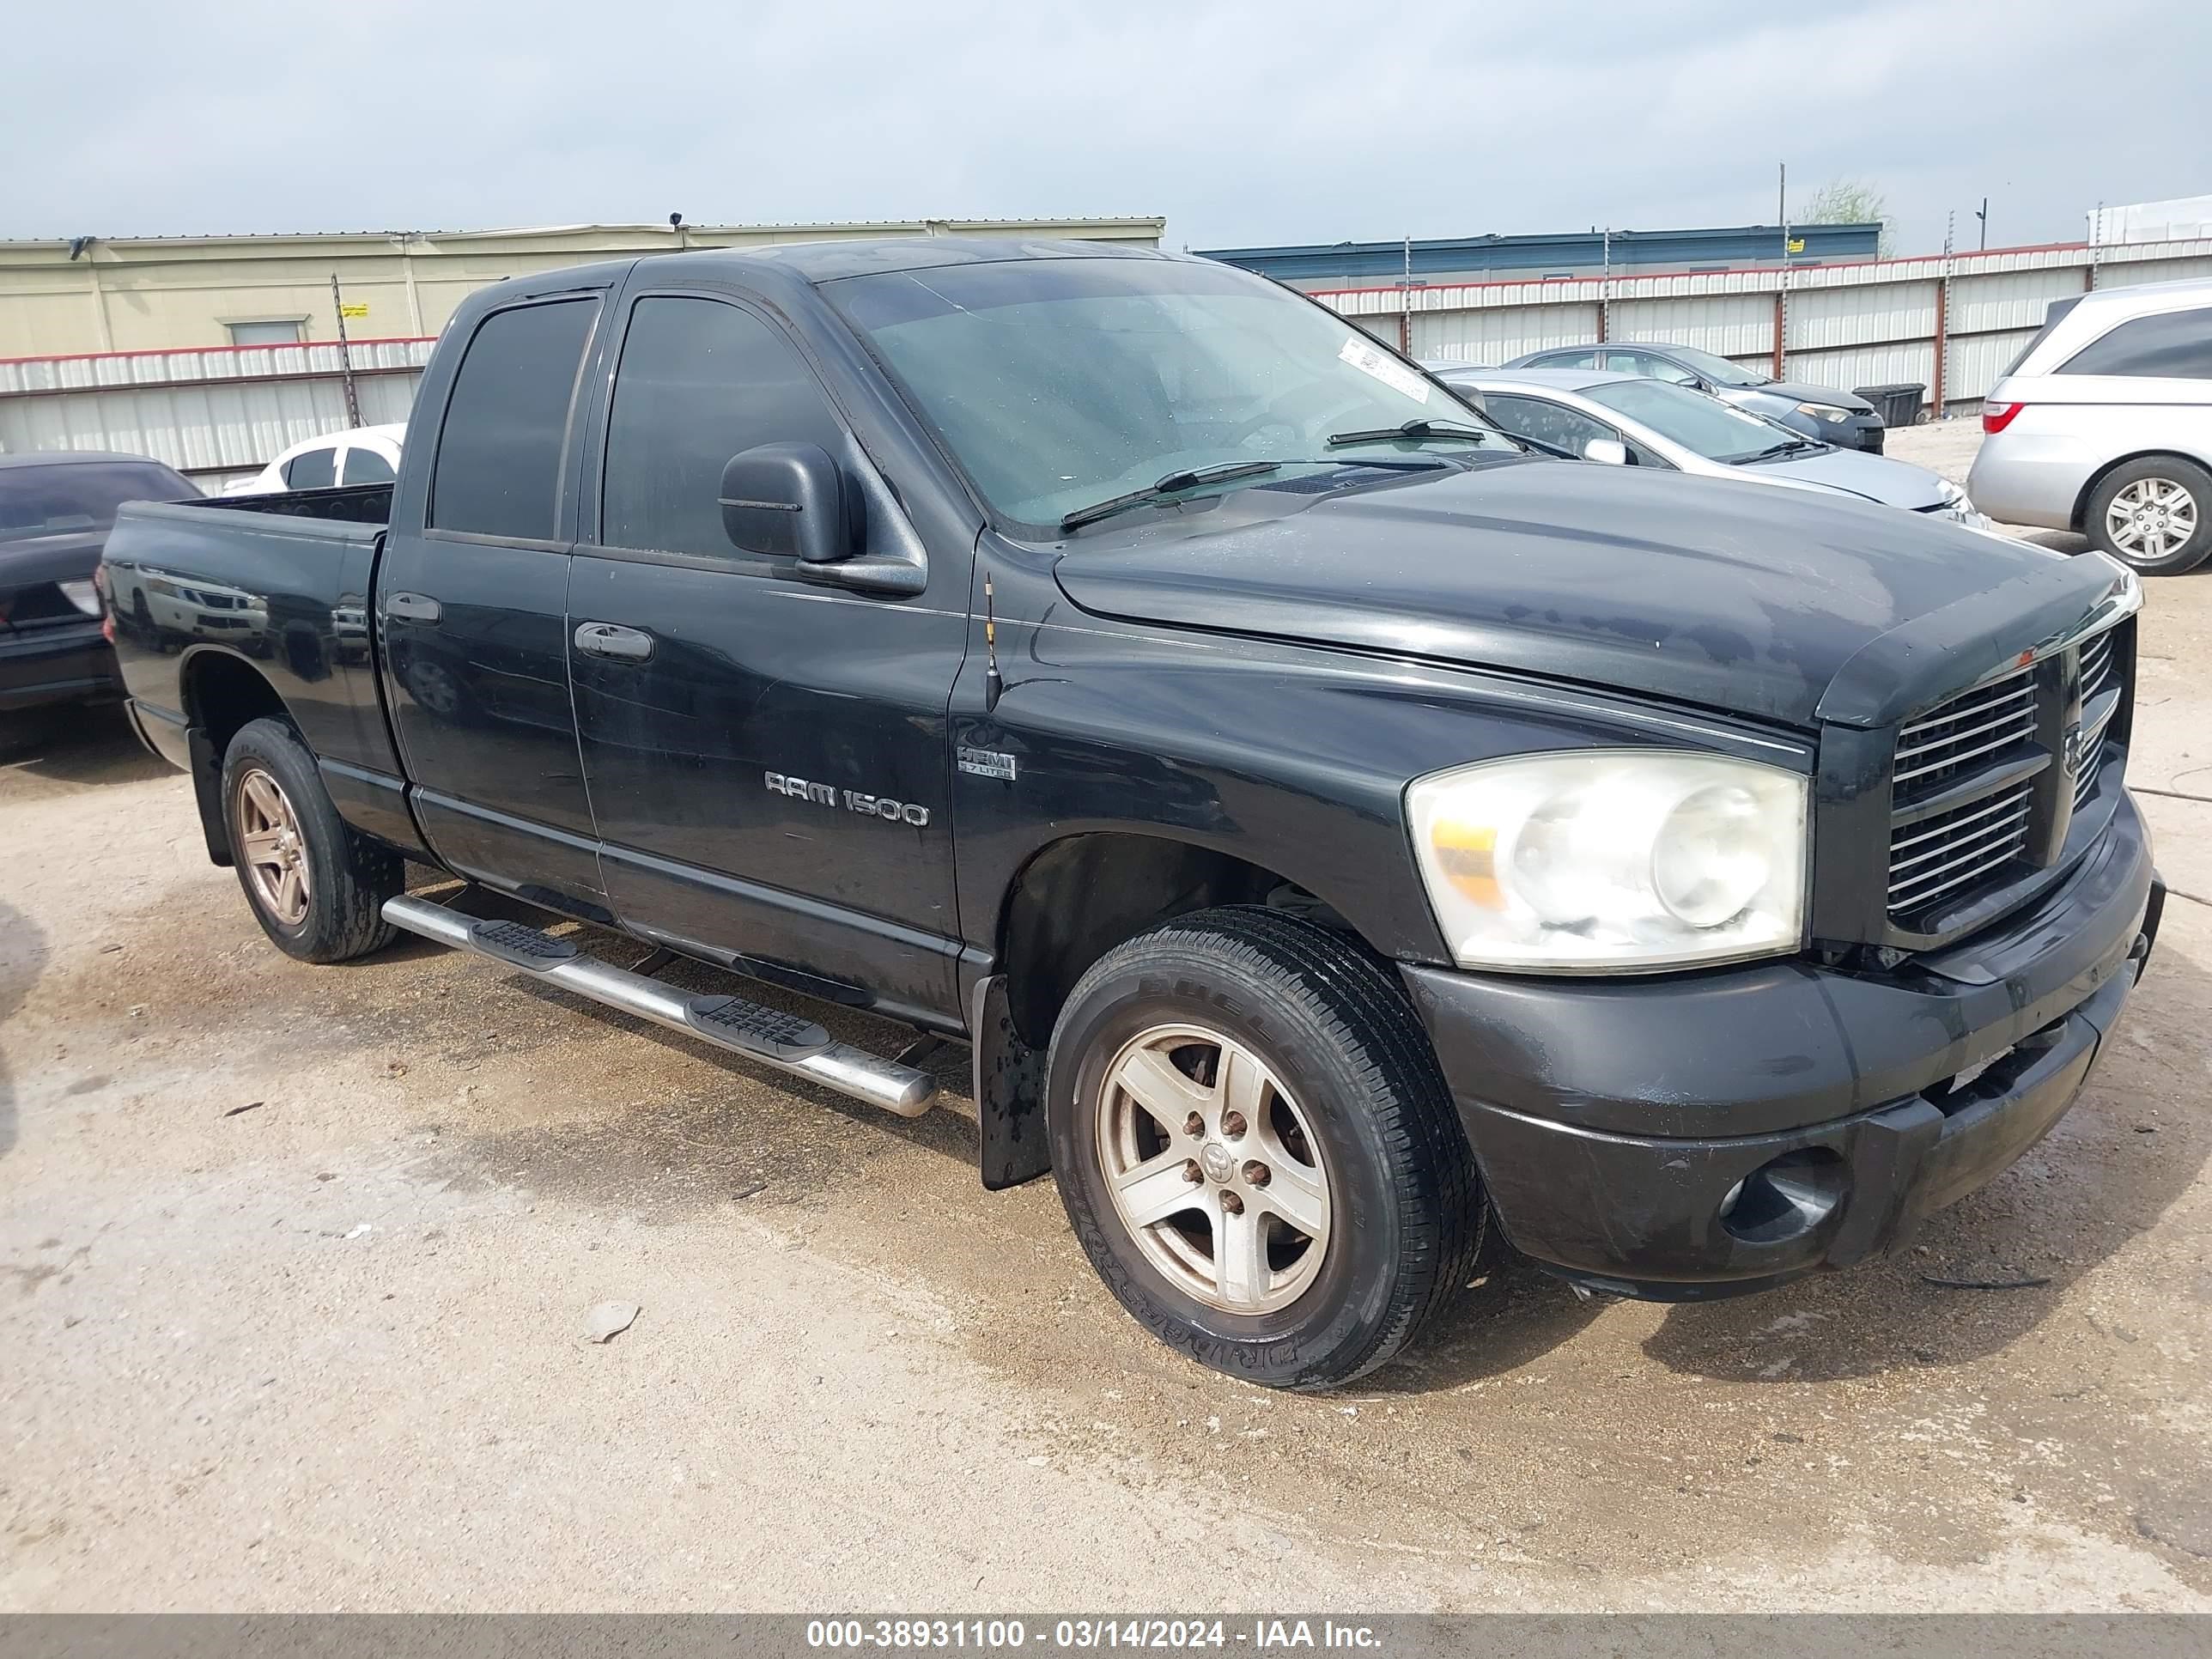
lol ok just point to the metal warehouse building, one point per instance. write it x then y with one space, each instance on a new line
135 294
1323 266
215 352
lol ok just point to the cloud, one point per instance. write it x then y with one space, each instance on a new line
1288 121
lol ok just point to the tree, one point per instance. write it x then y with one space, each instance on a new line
1851 202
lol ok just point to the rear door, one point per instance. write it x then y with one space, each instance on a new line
472 609
767 751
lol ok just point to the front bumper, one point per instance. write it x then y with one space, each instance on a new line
1862 432
1614 1122
68 662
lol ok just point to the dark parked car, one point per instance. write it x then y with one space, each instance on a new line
1330 826
55 511
1842 418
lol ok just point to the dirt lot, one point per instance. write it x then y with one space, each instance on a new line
294 1264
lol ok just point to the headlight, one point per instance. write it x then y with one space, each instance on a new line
1612 858
1824 411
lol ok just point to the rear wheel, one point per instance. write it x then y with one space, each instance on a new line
317 886
2153 514
1256 1149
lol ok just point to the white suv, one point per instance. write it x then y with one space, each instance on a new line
2103 425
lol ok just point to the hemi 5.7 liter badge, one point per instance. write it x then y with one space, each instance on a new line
868 806
986 763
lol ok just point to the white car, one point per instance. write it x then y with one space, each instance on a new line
2103 425
1631 421
361 455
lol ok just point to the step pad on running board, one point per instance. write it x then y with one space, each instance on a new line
522 945
748 1026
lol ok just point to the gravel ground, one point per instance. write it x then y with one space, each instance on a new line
295 1262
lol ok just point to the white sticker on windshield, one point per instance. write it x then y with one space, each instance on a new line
1371 359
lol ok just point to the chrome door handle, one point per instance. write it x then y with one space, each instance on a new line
412 607
597 639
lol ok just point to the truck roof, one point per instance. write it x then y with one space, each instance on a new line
828 262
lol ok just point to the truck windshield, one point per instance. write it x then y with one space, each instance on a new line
1059 383
73 497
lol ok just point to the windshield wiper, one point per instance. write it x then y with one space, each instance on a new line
1789 448
1419 427
1189 477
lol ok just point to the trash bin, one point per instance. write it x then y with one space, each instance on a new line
1898 405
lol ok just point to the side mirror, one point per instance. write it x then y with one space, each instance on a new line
787 499
1606 451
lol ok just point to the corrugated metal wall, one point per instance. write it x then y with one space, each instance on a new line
214 414
1846 325
219 413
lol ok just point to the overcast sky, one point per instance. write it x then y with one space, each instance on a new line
1290 121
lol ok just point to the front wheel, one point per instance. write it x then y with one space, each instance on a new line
1256 1149
2153 515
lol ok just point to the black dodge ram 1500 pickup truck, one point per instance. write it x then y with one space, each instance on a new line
1330 824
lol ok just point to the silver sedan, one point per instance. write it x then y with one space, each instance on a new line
1631 421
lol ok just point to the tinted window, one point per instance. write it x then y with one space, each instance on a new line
75 496
2176 345
2051 317
699 382
367 466
1552 423
313 468
499 453
1650 367
1565 360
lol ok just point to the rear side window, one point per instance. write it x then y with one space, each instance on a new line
700 381
312 469
364 466
1549 423
498 465
2052 316
2173 345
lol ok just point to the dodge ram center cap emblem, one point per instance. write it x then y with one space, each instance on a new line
1215 1160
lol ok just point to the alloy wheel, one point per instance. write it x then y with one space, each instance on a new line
272 849
2151 519
1213 1170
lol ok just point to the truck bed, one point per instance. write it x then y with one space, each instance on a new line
354 504
283 582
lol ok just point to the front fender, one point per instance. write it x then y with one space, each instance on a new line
1292 758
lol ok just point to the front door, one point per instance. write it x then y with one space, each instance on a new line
472 612
767 751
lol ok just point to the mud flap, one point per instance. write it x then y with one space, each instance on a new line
1007 1077
207 792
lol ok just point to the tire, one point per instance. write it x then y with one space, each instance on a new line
336 913
2153 515
1353 1106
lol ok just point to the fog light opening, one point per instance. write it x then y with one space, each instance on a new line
1785 1199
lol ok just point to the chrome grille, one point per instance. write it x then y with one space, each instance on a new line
2096 679
1931 750
1964 756
1932 856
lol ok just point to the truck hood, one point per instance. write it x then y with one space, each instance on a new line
1871 477
1739 597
